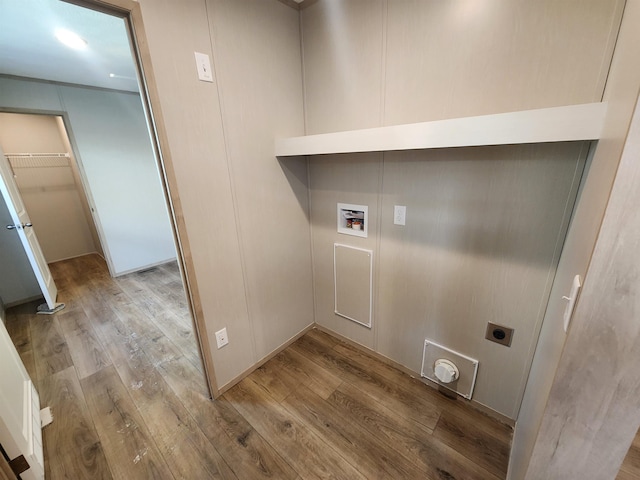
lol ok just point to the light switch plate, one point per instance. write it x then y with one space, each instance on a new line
204 67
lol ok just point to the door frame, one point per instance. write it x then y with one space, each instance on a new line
131 12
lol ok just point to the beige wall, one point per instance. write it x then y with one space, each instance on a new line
257 58
245 213
485 226
23 133
378 62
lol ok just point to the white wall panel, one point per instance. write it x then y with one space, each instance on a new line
353 280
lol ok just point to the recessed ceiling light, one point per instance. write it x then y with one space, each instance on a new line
70 39
113 75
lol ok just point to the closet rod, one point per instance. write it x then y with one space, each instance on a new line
56 155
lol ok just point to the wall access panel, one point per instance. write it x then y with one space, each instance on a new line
353 277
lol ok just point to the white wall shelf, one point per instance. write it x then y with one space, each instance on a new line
557 124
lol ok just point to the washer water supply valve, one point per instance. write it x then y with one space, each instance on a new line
446 371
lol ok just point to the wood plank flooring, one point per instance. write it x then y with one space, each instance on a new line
630 469
120 368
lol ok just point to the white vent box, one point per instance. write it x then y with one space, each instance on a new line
353 219
467 368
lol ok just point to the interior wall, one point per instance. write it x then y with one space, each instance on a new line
110 131
23 133
77 178
491 57
481 243
50 194
370 63
256 48
483 238
245 214
111 138
592 413
621 92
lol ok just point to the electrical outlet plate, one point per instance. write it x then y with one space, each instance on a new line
221 338
399 214
499 334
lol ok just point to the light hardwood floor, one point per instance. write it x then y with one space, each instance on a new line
630 469
120 369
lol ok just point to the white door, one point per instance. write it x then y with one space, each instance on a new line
20 430
22 227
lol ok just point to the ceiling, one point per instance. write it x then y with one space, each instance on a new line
29 48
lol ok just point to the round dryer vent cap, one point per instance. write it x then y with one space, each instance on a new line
446 371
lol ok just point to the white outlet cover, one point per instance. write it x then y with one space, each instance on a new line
399 214
221 338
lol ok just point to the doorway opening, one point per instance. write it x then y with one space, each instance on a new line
95 116
49 181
